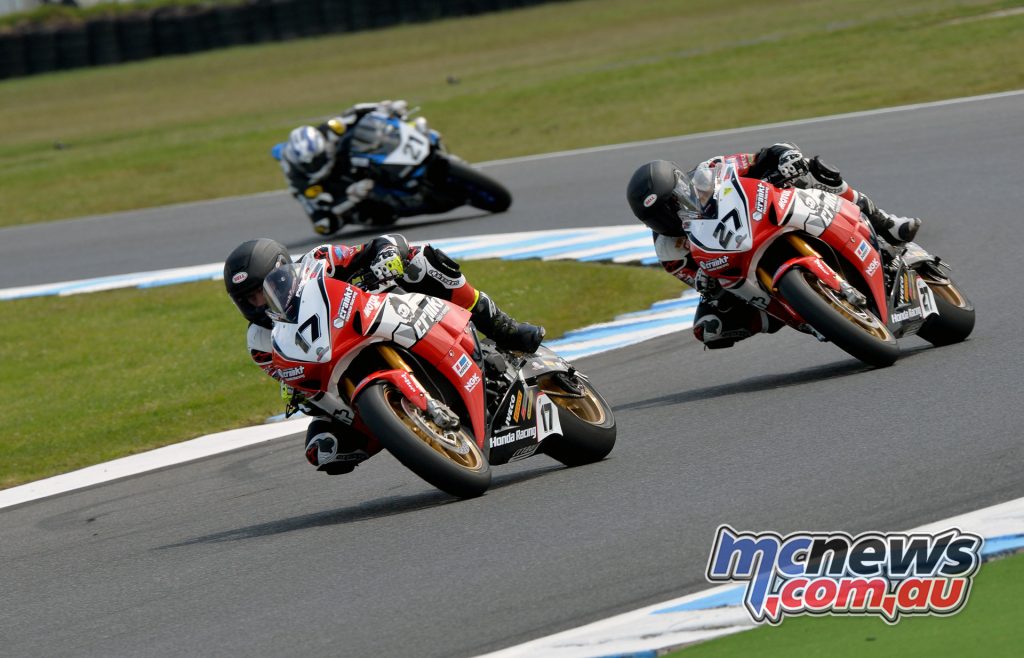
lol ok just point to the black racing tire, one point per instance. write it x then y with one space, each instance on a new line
857 332
588 424
480 190
955 319
381 410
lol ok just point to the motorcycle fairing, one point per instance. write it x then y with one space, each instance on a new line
524 419
731 231
400 143
911 301
309 338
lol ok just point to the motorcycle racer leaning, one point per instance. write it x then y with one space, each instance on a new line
332 445
664 198
315 160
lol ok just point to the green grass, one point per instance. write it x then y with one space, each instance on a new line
90 378
990 625
550 77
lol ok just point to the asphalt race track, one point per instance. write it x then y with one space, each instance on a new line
252 553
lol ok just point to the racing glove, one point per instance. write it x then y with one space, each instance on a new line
387 265
354 194
708 287
396 109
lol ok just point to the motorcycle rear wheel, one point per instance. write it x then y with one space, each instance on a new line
955 319
588 425
854 330
450 461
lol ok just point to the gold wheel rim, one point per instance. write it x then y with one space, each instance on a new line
947 290
464 453
586 407
860 317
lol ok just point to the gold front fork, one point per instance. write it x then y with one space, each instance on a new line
802 248
393 359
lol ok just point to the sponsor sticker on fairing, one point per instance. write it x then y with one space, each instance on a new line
462 365
290 374
513 436
761 202
863 249
472 383
372 304
890 575
345 308
714 264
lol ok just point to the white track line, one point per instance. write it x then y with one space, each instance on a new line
657 629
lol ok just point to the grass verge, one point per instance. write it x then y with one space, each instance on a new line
989 625
534 80
100 376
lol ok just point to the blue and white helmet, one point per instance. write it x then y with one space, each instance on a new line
308 152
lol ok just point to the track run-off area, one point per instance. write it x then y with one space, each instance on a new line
251 552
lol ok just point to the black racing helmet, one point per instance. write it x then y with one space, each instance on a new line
663 197
244 271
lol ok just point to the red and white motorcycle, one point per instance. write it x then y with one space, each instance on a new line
808 258
409 371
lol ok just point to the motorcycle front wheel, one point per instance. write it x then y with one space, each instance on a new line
855 330
448 459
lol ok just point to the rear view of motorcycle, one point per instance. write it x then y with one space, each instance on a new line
410 371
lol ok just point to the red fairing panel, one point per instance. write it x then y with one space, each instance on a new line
449 347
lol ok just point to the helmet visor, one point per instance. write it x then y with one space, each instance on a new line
281 288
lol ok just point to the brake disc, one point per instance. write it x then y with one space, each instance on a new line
451 440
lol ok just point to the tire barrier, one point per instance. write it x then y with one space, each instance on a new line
183 29
12 56
135 38
103 45
72 47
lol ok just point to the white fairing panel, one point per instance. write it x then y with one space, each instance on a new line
309 339
406 318
412 150
730 232
812 210
547 418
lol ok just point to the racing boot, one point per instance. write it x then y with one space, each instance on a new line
506 333
336 449
894 229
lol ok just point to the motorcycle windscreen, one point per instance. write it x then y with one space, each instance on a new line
375 135
281 288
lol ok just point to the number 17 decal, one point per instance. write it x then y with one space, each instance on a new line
547 417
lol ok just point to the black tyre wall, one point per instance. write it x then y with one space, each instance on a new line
12 56
72 47
103 45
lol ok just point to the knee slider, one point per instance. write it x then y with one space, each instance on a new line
442 262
